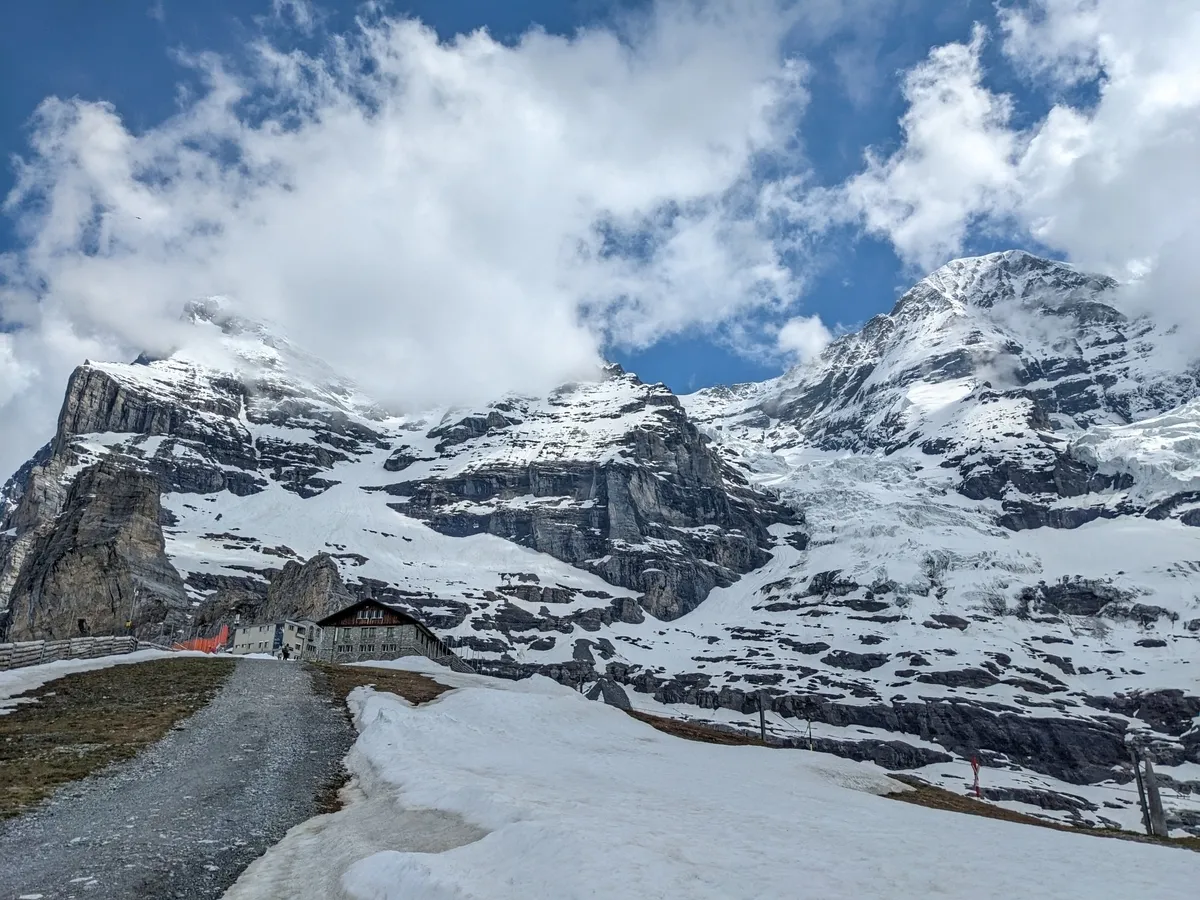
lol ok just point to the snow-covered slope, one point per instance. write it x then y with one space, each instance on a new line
526 790
966 530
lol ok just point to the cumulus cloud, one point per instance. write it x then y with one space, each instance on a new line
1108 177
441 220
955 159
802 338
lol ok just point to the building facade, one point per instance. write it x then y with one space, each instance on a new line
301 637
372 630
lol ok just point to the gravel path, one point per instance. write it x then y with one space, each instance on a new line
186 816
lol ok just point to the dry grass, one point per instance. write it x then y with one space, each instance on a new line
83 722
922 793
338 681
694 732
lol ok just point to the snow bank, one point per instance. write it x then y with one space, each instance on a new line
18 681
536 792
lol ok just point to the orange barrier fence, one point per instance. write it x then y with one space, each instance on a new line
205 645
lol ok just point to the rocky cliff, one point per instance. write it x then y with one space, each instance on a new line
647 506
100 563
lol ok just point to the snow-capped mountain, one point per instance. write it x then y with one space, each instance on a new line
966 530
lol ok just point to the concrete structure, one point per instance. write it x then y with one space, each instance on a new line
301 637
372 630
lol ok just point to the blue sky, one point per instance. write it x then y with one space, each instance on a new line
703 190
125 53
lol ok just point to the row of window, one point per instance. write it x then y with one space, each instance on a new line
389 631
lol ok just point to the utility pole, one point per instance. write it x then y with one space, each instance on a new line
762 716
1158 820
1153 817
1137 776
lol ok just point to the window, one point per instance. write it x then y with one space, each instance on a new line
366 648
390 632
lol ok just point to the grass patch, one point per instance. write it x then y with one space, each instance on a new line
82 722
338 681
925 794
694 732
922 793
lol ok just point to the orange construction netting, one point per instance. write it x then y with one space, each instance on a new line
205 645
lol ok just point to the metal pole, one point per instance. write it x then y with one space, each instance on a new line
762 716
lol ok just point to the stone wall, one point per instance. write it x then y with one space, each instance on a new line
367 642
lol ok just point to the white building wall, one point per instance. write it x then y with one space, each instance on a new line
302 638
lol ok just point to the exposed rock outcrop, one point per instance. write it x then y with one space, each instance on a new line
663 517
102 560
310 590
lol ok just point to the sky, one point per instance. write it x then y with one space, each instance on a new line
452 199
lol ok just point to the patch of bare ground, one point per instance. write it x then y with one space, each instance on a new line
925 794
338 681
922 793
80 723
695 732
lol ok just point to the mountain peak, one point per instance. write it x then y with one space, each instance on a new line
1012 276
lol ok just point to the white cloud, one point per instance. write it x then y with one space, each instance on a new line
802 338
300 14
1112 182
1057 39
1116 185
423 214
955 159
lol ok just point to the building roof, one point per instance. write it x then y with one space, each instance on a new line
404 614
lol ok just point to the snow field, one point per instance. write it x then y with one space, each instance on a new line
573 799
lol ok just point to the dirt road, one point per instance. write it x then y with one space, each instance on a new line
185 817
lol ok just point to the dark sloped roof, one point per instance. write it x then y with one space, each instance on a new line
404 614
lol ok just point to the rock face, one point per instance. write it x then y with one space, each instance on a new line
309 591
657 513
988 367
967 530
102 562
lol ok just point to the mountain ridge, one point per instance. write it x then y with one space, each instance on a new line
965 530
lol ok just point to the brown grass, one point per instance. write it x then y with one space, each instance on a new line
693 732
83 722
922 793
339 681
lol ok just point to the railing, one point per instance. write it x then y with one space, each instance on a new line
32 653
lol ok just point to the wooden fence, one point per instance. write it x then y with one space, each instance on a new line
31 653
